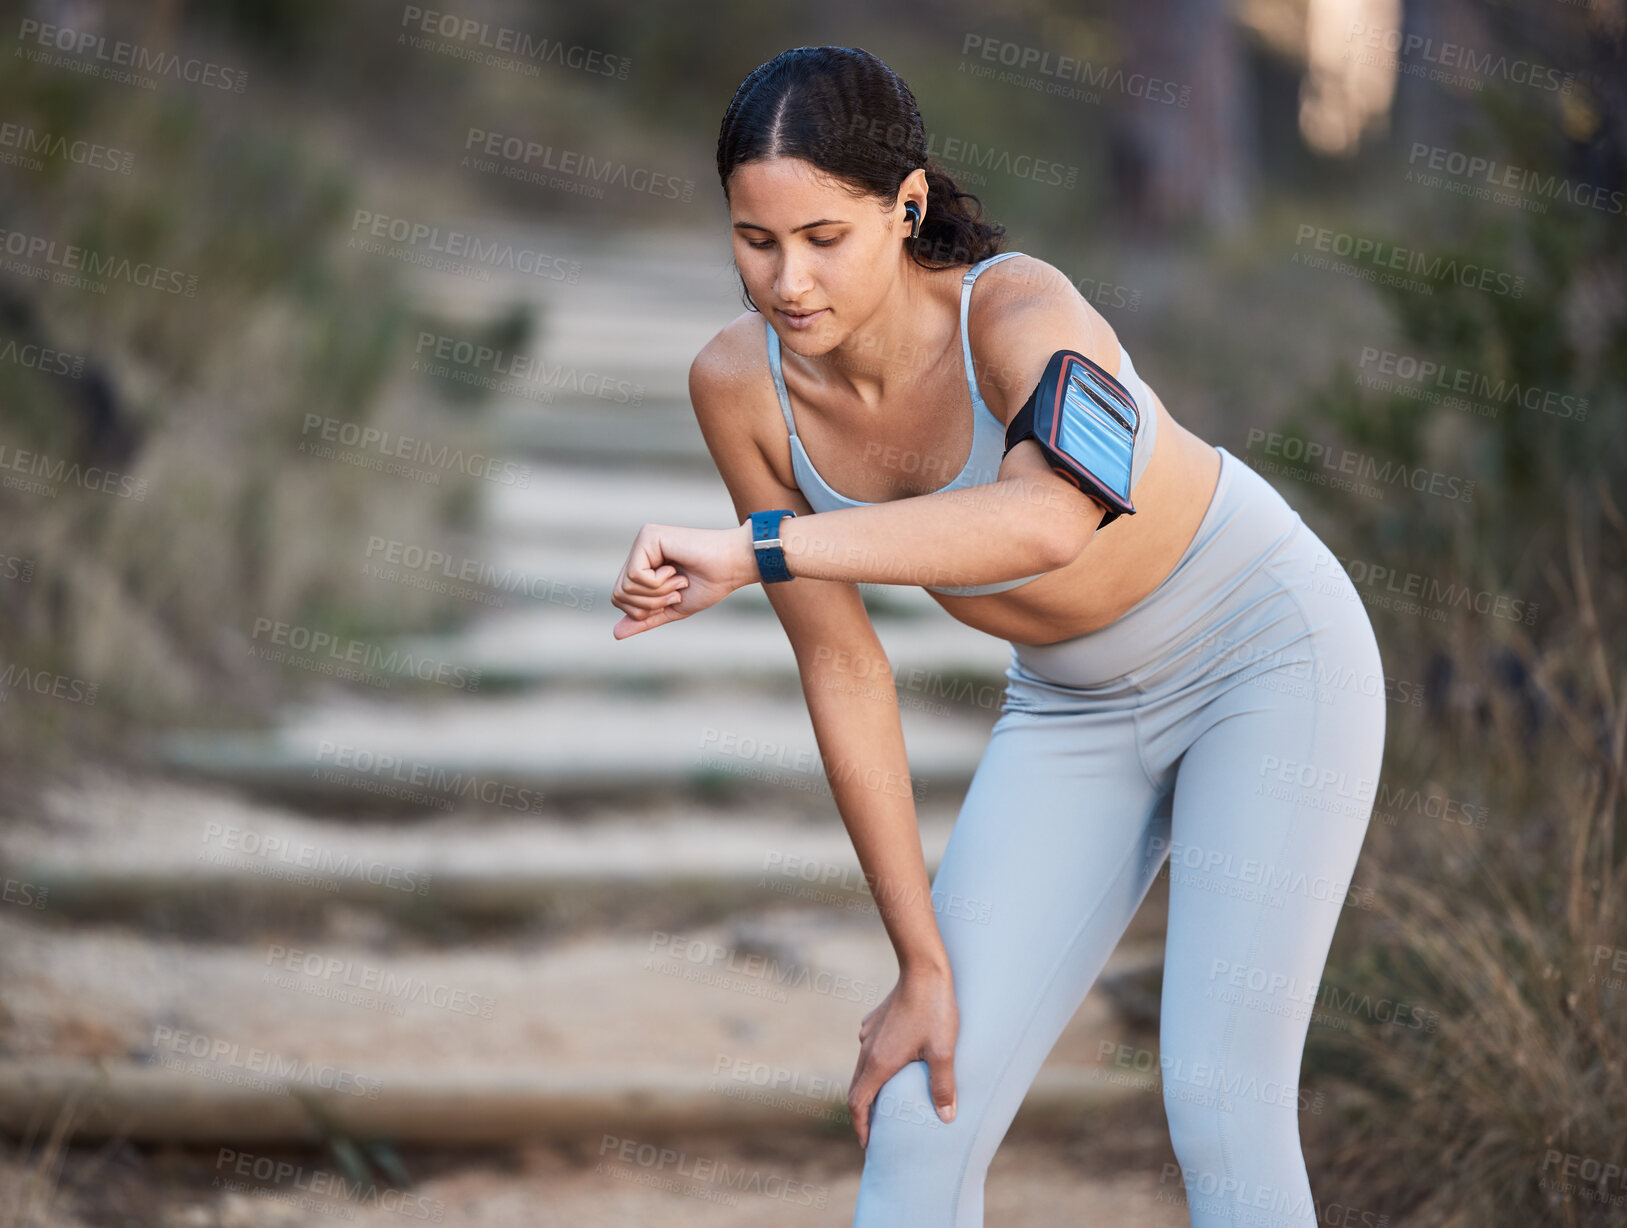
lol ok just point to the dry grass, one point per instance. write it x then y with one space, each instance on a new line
1513 1111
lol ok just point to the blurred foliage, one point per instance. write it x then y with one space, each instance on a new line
1495 931
184 510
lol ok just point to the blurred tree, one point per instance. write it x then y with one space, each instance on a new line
1191 164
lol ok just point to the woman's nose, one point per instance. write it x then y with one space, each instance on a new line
792 280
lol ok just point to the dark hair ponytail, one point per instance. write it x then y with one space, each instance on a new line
847 113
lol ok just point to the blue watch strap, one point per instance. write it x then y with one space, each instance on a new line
765 540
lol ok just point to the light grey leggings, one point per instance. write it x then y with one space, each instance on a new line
1231 724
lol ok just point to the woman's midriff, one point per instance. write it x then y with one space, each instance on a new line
1120 565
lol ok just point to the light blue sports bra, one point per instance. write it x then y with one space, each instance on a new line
988 434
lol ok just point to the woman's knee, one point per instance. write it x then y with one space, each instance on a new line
1224 1125
904 1123
916 1164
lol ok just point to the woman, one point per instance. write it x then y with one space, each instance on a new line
1156 701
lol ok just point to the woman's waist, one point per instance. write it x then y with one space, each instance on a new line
1059 605
1245 527
1117 568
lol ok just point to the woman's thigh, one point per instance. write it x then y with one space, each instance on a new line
1274 786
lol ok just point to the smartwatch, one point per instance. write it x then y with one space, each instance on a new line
765 540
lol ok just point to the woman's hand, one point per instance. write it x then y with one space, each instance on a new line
917 1020
673 572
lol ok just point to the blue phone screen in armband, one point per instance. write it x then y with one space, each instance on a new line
1107 448
1086 422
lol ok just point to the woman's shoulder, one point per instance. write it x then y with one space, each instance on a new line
1021 281
1022 311
734 360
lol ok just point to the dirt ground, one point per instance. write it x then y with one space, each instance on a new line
1095 1176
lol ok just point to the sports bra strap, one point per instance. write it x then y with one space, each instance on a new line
779 376
965 313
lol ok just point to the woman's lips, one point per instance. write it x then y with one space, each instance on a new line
802 321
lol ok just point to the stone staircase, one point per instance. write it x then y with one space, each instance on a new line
454 915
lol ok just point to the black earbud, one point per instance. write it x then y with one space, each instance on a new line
913 212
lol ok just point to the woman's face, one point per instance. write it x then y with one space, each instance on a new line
816 259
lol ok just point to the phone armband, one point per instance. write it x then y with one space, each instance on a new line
1086 423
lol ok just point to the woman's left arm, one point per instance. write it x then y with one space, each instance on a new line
1026 522
1016 526
1029 520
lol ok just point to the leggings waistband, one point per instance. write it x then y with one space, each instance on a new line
1245 526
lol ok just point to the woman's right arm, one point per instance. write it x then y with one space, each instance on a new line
845 674
848 684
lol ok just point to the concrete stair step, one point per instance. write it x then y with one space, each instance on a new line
413 1105
347 1025
571 739
127 850
935 664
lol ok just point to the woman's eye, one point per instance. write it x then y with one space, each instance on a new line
816 242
